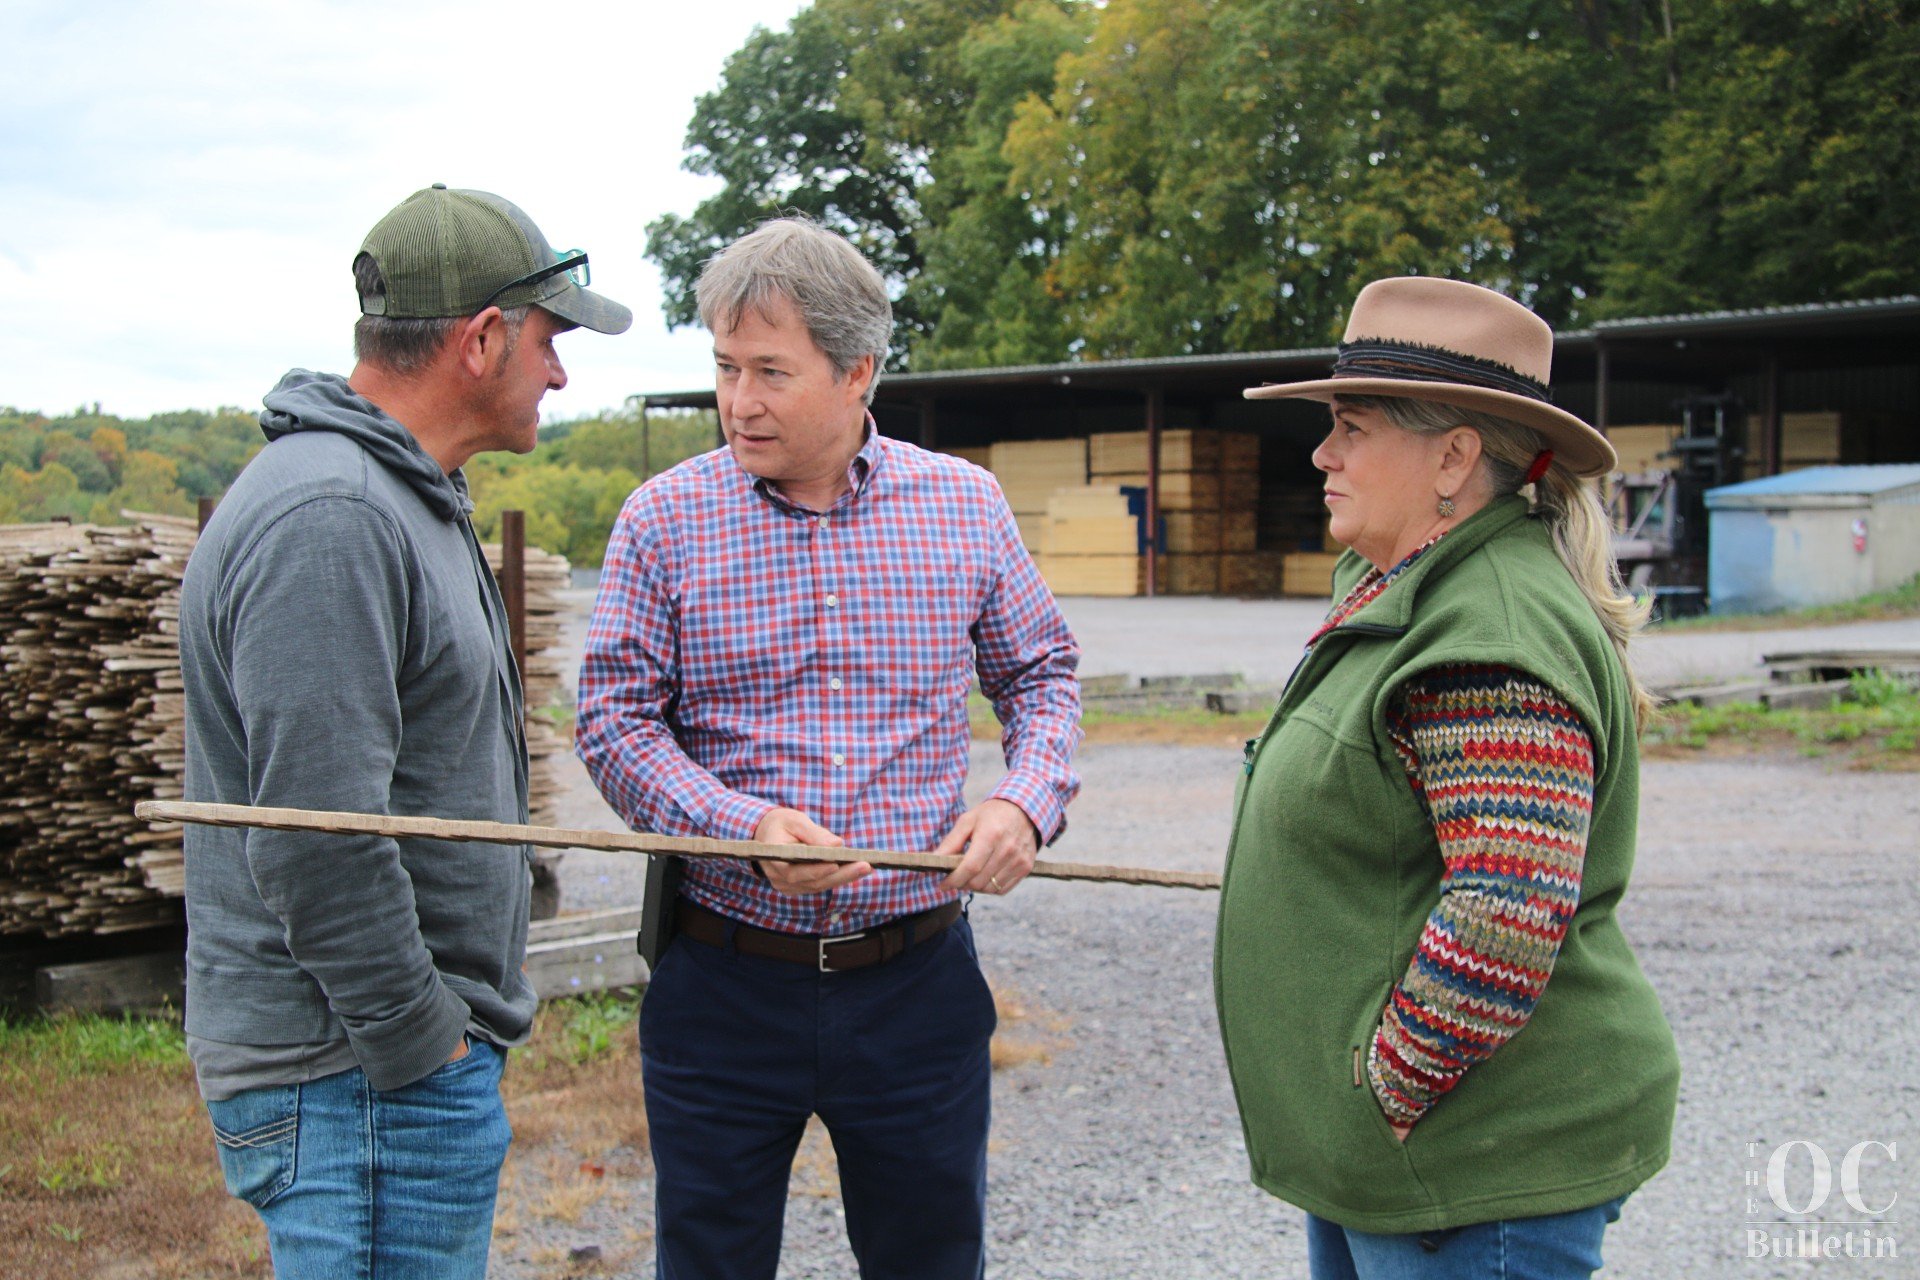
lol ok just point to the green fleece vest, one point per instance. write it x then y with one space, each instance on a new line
1333 869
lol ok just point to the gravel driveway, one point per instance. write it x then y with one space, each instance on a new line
1774 907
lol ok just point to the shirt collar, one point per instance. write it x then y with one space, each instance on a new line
859 471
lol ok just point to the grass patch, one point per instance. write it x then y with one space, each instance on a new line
1882 606
107 1164
1879 729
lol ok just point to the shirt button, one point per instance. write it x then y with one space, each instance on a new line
838 759
823 522
832 601
834 684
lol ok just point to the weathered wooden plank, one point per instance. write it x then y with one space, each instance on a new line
1843 660
1717 695
585 924
240 815
143 983
595 962
1218 680
1257 700
1820 694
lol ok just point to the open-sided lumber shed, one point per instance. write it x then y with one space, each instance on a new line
1842 379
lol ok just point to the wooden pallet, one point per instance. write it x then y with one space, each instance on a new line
1833 664
566 956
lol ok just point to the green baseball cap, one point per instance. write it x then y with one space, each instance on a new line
454 253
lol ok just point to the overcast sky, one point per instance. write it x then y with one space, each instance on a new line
183 185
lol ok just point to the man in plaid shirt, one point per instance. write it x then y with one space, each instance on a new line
782 649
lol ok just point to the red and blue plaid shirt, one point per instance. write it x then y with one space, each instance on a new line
747 653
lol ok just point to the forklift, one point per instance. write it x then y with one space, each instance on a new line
1660 517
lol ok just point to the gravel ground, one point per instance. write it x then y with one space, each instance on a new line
1773 908
1262 639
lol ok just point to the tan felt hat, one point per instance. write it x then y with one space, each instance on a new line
1454 343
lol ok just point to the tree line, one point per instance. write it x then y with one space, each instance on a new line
88 466
1045 180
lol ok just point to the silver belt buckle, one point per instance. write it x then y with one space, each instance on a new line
844 937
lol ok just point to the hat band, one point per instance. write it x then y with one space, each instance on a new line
1375 358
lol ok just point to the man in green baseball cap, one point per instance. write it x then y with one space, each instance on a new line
350 1000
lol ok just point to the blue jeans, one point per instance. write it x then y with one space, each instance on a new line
356 1184
1559 1246
737 1051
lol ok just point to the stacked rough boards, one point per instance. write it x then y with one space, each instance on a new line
91 715
1080 505
547 576
90 711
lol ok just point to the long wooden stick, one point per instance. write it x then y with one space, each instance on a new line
375 824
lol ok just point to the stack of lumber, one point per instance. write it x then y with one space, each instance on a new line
1298 548
547 575
92 719
1810 440
1293 516
1644 447
1029 471
1093 541
980 455
1253 573
1209 496
1307 573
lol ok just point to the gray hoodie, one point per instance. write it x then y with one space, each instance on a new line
345 647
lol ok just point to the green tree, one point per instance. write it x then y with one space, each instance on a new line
778 136
1232 171
50 493
74 455
109 444
985 287
844 117
569 510
1788 169
149 482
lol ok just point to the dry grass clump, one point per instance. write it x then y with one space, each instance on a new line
579 1130
1025 1037
107 1166
577 1081
108 1169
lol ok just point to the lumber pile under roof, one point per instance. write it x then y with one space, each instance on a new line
92 711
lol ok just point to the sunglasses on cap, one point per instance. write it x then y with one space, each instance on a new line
572 263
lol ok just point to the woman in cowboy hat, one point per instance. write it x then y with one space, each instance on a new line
1441 1045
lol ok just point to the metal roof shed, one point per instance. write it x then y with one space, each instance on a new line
1812 537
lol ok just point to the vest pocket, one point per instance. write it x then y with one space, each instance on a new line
257 1134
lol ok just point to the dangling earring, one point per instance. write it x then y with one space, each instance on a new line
1446 508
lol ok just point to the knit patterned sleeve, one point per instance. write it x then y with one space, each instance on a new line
1505 770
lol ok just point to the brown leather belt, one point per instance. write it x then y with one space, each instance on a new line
829 953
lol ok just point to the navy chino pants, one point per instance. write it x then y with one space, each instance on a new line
737 1051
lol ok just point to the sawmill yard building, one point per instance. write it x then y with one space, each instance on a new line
1076 445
